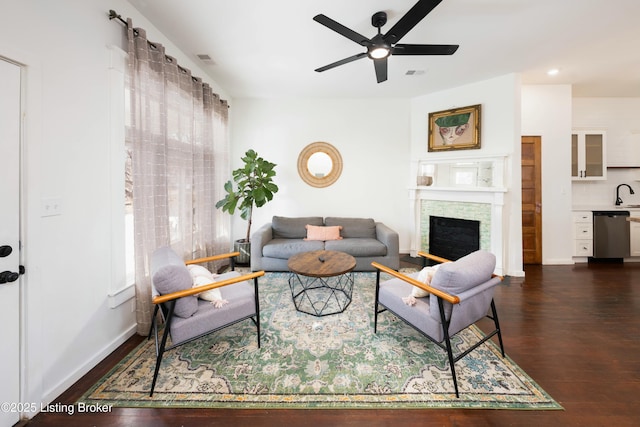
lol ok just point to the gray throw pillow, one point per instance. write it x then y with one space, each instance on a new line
170 274
173 278
465 273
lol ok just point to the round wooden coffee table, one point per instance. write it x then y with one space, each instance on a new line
321 282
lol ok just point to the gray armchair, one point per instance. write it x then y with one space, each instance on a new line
188 318
460 294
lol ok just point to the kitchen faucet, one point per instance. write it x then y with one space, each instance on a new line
618 199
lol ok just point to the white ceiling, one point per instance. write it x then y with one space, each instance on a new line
271 48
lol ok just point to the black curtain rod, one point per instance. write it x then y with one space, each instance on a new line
114 15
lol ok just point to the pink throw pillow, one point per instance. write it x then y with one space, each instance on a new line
315 232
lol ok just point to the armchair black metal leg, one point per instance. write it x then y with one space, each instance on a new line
494 312
375 306
452 365
153 322
162 346
445 329
257 322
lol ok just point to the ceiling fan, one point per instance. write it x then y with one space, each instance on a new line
380 47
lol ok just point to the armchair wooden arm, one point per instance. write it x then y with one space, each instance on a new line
192 291
437 292
212 258
433 257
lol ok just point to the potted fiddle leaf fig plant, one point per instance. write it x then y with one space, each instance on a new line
254 187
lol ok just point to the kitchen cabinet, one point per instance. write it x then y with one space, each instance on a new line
582 233
624 151
634 233
588 155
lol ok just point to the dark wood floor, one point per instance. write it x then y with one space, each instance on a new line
574 329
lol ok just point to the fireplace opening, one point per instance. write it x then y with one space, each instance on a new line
453 238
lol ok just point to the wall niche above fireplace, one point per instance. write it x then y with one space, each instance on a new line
460 173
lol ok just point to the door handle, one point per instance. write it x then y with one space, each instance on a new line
5 251
11 276
8 276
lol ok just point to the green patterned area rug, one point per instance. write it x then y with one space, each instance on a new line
319 362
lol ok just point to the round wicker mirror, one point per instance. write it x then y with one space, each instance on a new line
319 164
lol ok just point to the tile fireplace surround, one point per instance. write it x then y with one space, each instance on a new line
481 204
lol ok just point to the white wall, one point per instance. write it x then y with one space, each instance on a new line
546 112
620 118
372 137
68 324
500 136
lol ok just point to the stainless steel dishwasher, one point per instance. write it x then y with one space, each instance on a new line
610 234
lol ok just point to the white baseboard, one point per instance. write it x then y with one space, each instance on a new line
516 273
559 261
50 395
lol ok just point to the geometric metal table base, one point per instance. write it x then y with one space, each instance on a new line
321 296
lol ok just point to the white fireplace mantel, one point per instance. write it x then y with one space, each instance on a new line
493 196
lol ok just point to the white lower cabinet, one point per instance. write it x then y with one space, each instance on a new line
583 233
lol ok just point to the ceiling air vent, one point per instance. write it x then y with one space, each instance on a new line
414 72
205 58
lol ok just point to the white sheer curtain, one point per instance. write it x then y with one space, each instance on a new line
177 141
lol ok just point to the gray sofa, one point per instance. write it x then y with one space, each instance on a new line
363 238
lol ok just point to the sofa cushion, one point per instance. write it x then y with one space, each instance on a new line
357 247
456 277
241 303
315 232
465 273
354 227
170 274
286 248
293 228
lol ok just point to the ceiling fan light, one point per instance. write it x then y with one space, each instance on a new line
379 52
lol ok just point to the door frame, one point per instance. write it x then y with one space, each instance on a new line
32 305
11 291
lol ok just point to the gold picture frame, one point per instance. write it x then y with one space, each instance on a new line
455 129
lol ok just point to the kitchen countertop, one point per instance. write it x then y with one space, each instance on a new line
634 218
634 209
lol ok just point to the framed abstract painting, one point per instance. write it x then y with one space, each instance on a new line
456 129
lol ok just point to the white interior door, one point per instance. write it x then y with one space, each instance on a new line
9 243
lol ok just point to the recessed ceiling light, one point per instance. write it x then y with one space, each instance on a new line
553 72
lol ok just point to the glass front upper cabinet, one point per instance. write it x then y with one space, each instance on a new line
588 155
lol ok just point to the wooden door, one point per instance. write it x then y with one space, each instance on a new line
531 200
9 242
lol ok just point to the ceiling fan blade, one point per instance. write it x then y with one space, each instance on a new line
341 62
410 20
381 69
424 49
342 30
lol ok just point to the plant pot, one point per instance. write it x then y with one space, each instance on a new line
244 247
